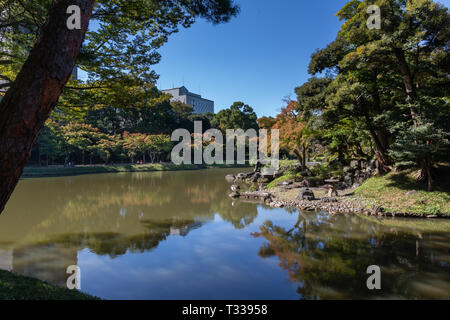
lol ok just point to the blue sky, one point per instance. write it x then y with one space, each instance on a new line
259 57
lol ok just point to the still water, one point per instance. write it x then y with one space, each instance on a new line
177 235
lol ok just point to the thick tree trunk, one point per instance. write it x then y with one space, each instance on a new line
36 90
297 152
379 137
407 81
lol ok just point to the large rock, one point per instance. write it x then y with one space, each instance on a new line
255 177
348 169
348 179
354 164
305 194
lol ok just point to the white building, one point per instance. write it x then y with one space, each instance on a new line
200 105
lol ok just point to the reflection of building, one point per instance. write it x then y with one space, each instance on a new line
183 231
196 101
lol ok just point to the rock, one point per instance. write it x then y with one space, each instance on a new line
354 164
278 173
295 185
376 210
305 183
329 199
277 205
432 216
347 169
255 177
241 176
362 164
305 194
285 183
230 177
235 188
356 185
348 179
234 195
411 192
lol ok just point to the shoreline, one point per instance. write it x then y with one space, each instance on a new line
395 194
61 171
345 204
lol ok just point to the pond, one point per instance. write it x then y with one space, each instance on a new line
177 235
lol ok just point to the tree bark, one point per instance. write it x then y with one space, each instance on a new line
379 137
408 81
297 152
36 90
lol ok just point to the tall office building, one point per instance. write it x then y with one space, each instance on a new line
200 105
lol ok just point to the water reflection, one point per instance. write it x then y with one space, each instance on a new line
177 235
327 257
108 214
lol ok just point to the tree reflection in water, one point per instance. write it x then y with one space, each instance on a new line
327 256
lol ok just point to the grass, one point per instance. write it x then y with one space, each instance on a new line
17 287
389 191
54 171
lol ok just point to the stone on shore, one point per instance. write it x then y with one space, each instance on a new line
305 194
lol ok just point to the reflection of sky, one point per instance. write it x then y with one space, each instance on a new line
215 261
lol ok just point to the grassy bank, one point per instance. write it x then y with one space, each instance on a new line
396 192
16 287
55 171
390 192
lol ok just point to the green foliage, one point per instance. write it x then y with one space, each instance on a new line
389 191
419 143
75 141
16 287
238 116
385 92
118 54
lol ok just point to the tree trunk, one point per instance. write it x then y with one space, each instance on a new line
297 152
36 90
341 157
429 178
379 137
304 156
407 81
